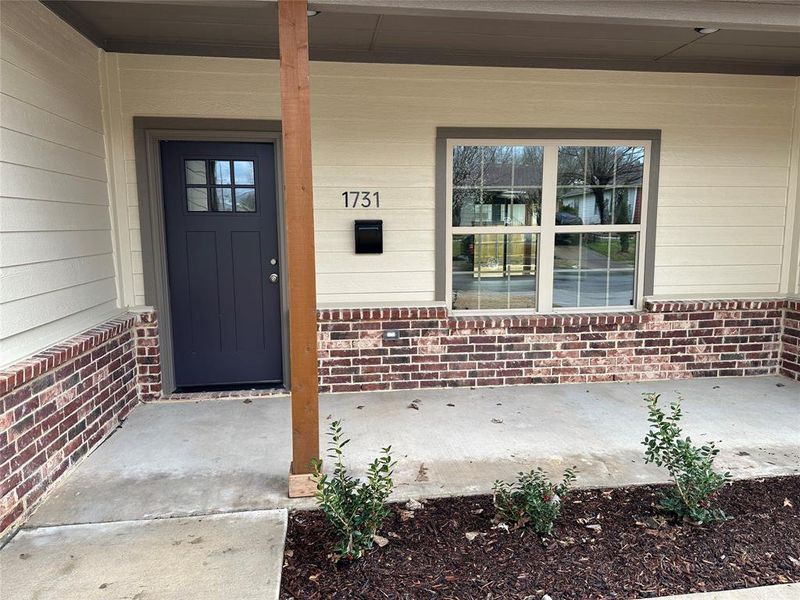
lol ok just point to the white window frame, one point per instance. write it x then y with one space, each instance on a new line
547 230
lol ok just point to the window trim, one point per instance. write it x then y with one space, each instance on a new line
643 276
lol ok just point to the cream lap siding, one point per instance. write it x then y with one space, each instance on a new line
56 259
724 157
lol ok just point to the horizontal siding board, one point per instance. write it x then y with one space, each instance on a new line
31 280
533 89
28 119
169 102
22 149
28 342
724 176
715 289
737 156
28 247
717 275
704 216
35 215
366 176
419 73
718 236
29 313
19 181
406 281
41 93
717 255
364 299
721 196
346 263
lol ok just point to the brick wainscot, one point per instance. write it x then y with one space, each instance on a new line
667 340
790 340
59 404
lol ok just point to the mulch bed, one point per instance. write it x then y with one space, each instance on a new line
635 553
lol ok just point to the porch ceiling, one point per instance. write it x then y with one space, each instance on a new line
754 37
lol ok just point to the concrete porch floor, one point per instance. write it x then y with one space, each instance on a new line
191 458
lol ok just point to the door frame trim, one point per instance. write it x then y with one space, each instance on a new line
148 133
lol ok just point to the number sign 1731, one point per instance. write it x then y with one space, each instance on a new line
362 199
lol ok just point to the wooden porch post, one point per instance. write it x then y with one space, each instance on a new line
299 216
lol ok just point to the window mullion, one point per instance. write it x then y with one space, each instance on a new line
544 276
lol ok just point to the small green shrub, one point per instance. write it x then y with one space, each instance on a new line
690 467
532 501
355 509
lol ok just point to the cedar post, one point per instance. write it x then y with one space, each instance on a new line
299 215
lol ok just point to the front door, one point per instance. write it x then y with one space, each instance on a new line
222 258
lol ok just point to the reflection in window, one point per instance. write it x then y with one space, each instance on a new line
196 172
245 199
494 271
243 172
197 199
600 185
497 185
221 199
220 172
594 269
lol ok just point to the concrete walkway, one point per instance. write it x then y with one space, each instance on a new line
789 591
184 459
236 555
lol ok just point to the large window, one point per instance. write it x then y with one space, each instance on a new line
546 224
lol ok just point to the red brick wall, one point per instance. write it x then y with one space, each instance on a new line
790 347
59 404
668 340
148 357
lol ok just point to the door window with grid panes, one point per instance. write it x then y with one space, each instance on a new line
546 225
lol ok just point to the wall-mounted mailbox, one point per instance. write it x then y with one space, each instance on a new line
369 237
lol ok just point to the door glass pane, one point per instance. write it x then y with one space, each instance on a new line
494 271
196 199
221 199
220 172
195 172
599 185
245 199
243 172
594 269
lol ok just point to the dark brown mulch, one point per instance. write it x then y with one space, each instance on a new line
634 554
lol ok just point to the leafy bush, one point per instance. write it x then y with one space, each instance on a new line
532 501
355 509
689 466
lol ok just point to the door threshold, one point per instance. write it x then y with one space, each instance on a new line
225 394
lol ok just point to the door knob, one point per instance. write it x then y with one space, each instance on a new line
273 277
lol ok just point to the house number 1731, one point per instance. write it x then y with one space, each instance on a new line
362 199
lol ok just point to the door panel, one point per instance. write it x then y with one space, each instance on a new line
221 227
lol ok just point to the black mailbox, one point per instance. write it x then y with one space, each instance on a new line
369 237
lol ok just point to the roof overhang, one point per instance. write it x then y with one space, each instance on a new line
754 37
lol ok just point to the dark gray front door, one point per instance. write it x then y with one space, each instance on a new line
222 253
